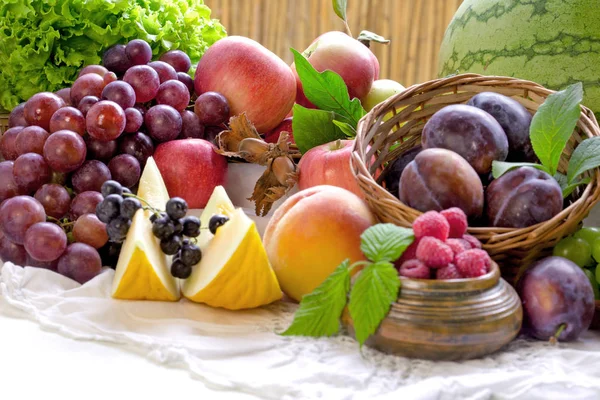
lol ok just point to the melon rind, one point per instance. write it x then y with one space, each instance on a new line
551 42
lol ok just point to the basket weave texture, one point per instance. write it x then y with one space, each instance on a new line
401 118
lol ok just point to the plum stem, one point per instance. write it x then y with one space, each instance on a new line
554 339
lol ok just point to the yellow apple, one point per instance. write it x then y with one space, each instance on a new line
381 90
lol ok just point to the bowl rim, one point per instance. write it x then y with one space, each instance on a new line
453 285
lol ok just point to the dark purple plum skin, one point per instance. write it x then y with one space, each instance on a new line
438 179
472 133
522 197
392 177
556 291
514 119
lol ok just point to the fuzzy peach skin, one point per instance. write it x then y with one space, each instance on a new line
311 233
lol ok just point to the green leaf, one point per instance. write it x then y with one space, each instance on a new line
372 295
385 242
346 128
327 90
566 187
340 6
561 179
499 168
372 37
319 312
585 157
553 124
313 128
567 190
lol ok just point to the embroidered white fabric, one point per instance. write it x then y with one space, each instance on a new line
240 351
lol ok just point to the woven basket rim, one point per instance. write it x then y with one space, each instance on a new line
364 149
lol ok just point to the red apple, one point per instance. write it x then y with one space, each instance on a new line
375 62
191 169
284 126
329 164
346 56
253 79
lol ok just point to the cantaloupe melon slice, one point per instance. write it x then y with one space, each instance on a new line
142 271
152 187
235 272
219 203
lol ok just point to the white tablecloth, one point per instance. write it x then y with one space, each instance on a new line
86 342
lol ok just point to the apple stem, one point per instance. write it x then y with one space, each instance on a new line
554 339
337 145
348 31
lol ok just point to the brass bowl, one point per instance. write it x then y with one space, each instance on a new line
449 320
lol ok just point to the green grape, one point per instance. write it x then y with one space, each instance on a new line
589 234
598 274
592 279
596 249
574 249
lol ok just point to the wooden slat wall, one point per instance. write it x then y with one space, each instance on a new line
416 28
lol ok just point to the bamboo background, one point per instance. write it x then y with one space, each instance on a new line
415 27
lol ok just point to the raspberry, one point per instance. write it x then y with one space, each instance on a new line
473 263
415 269
473 241
449 272
409 254
457 220
434 253
432 223
458 245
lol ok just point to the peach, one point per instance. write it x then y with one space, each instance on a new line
311 233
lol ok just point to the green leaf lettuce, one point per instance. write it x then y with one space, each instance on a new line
43 44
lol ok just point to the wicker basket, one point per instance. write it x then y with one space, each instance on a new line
511 248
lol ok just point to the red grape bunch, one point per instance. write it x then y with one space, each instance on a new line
70 160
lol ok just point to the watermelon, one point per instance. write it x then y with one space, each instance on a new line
551 42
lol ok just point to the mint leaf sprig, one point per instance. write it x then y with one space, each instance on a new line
550 131
371 296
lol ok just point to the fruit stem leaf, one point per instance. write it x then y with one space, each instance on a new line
340 7
328 91
499 168
568 189
346 128
554 338
314 127
371 298
586 156
319 311
553 124
366 37
385 242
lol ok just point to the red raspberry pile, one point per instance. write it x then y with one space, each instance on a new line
442 249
